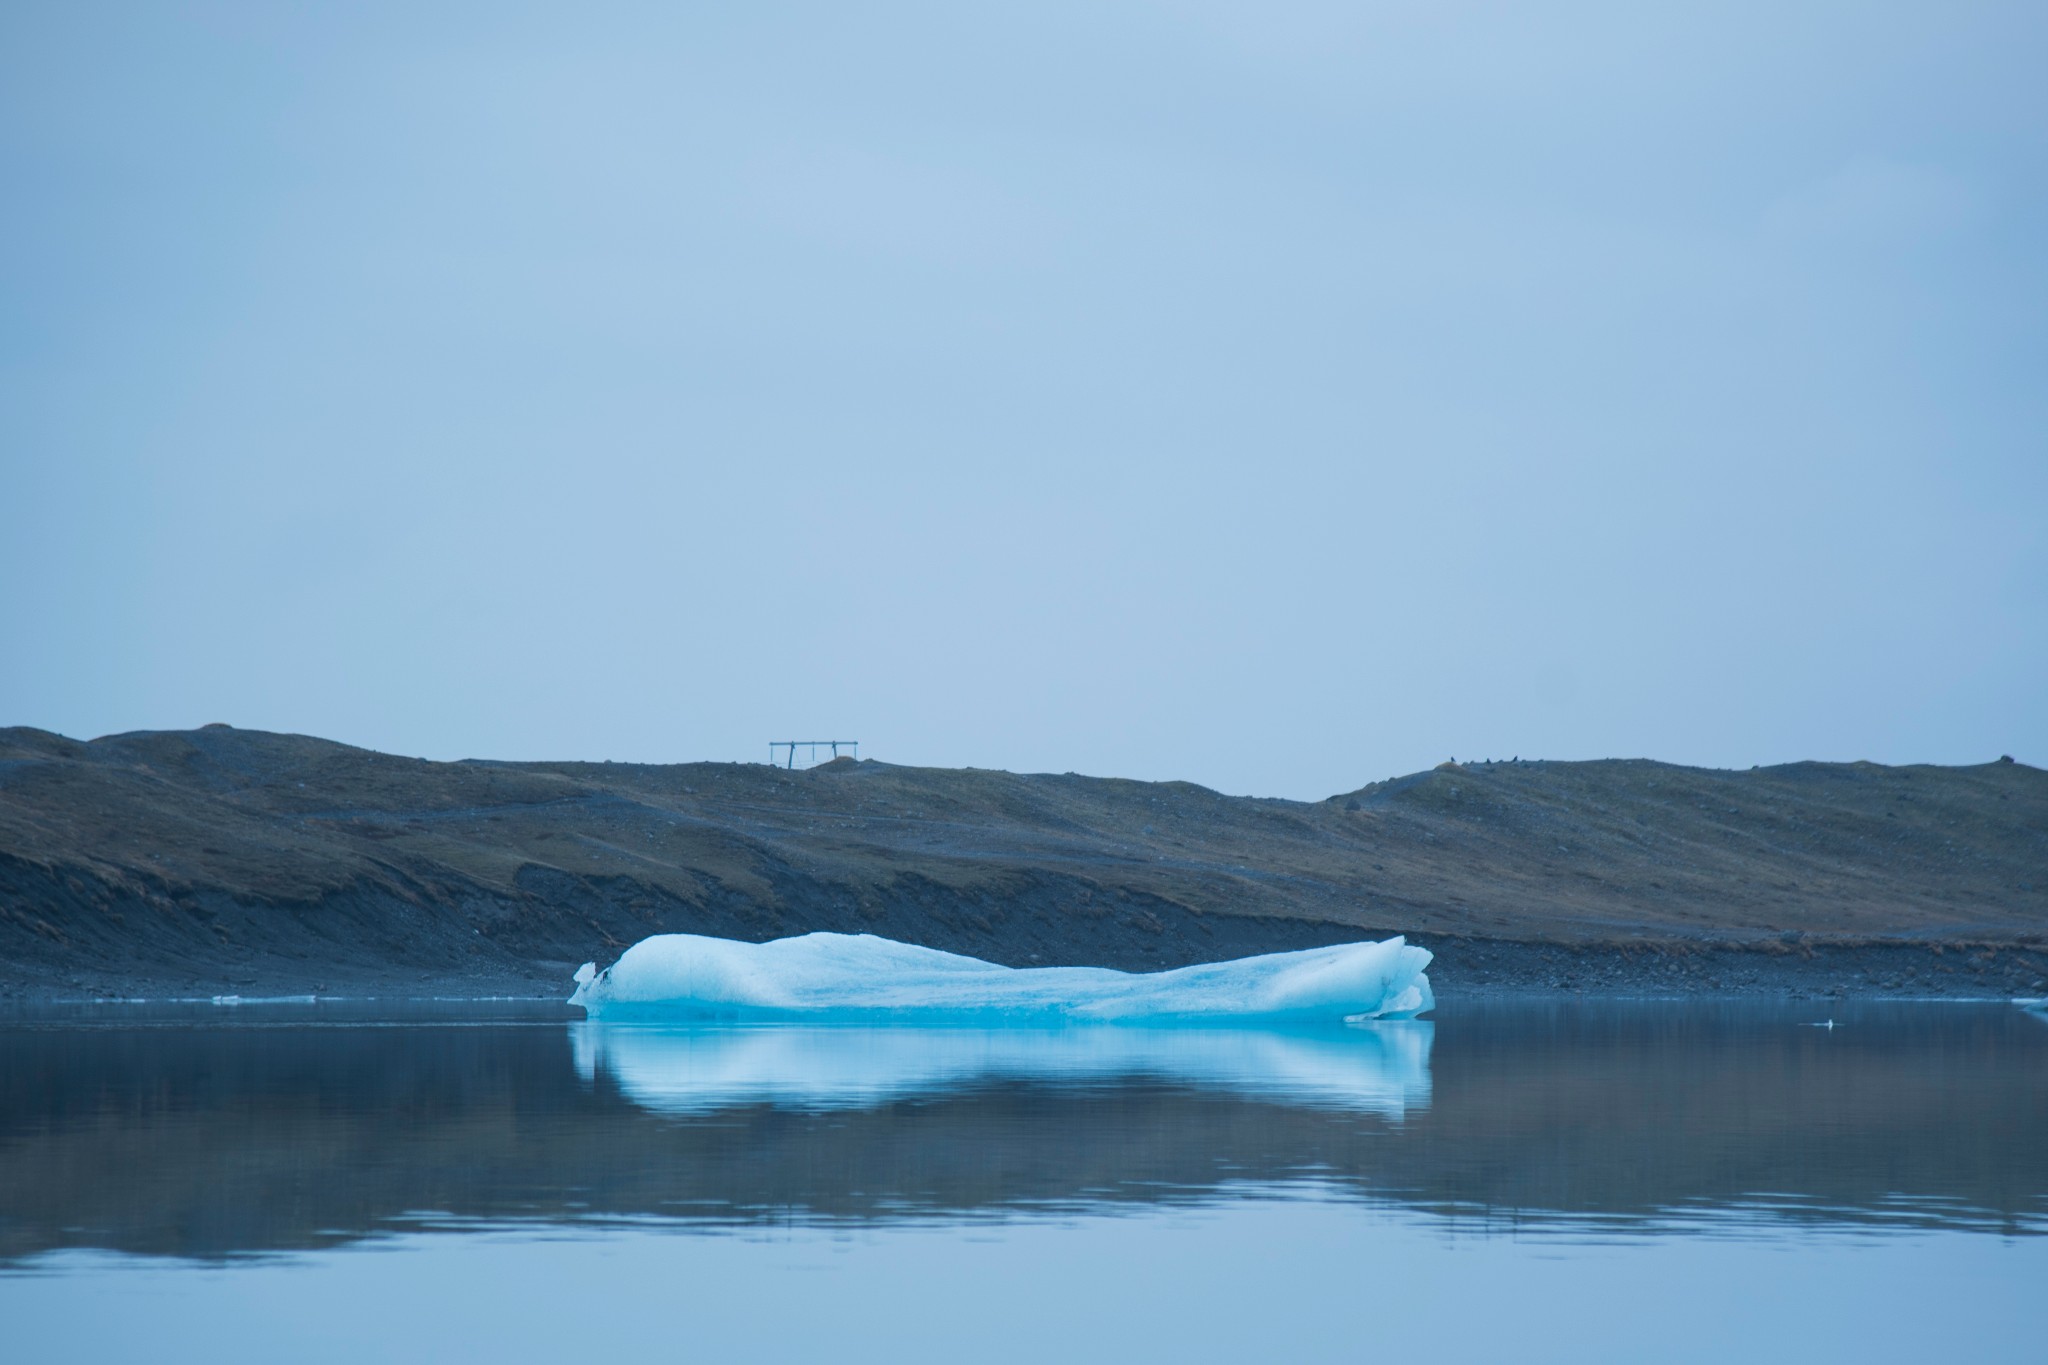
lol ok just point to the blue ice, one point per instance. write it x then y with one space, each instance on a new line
859 977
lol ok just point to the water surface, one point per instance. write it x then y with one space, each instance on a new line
1545 1181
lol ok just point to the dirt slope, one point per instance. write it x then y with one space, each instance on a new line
227 858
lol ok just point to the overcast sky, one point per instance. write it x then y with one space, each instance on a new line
1278 396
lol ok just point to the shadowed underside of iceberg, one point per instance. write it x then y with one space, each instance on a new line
862 977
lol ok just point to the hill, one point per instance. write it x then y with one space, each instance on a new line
223 859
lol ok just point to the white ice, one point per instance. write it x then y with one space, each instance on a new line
859 977
1381 1068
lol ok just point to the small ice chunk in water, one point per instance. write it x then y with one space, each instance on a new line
860 976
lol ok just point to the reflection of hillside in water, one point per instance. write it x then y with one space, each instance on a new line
1377 1068
213 1141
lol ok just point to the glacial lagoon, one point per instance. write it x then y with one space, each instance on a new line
1537 1180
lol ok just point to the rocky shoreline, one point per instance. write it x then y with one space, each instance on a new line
1462 971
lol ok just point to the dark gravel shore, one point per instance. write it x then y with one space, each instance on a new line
1463 970
224 861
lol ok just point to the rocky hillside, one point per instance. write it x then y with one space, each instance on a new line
224 859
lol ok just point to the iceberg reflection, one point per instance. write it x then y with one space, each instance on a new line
1380 1068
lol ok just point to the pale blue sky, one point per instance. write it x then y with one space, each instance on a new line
1278 396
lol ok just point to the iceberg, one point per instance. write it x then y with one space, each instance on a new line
862 978
1379 1068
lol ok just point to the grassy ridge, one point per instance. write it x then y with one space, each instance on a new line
226 856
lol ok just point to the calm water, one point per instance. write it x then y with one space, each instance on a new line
1656 1181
